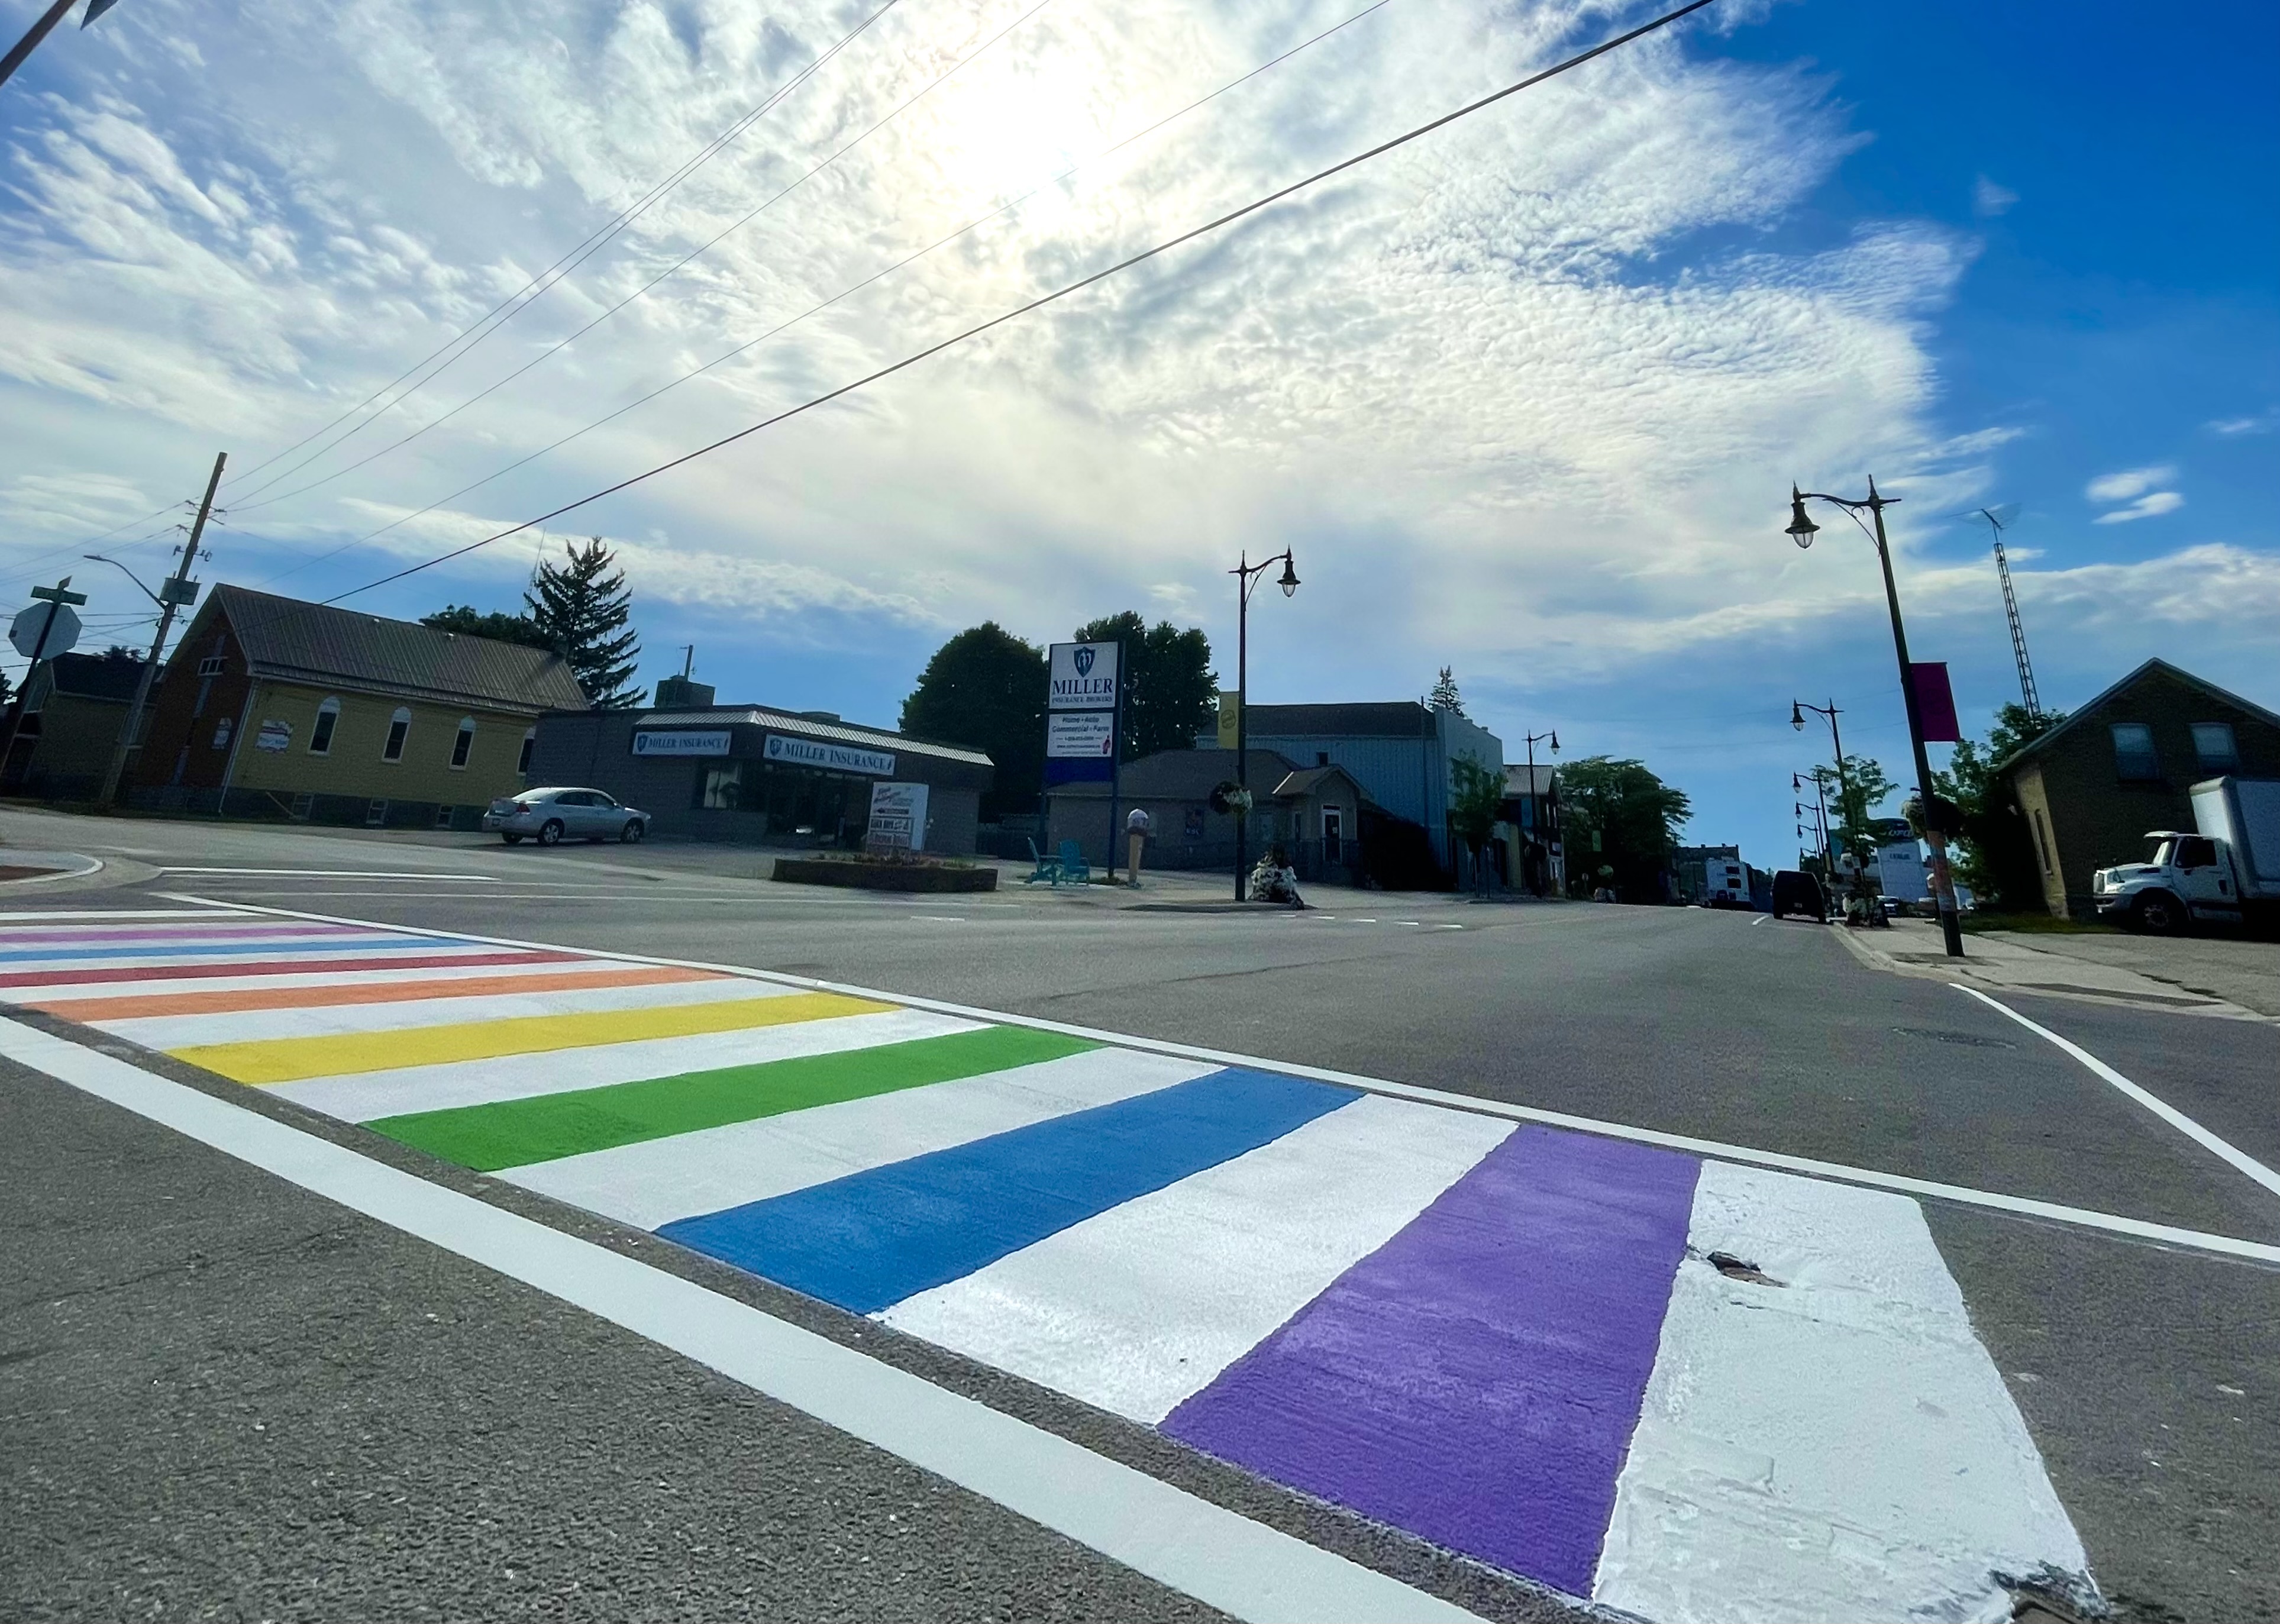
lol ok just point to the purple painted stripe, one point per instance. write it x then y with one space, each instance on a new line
1476 1380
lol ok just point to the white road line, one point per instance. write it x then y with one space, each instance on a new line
361 1096
1760 919
2216 1146
1221 1559
653 1182
1143 1305
67 914
2025 1207
1837 1446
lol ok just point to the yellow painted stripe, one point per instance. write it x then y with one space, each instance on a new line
291 1059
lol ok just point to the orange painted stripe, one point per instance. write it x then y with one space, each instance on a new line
380 992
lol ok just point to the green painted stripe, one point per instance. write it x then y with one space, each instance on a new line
516 1133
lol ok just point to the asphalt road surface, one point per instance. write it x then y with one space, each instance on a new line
229 1395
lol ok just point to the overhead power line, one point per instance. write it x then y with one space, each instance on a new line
1039 303
847 292
537 287
677 265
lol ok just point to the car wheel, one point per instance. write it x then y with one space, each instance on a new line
632 833
2159 914
550 832
511 840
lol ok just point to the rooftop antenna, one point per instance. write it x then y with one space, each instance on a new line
689 659
1998 518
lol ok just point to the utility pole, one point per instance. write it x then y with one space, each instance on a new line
177 591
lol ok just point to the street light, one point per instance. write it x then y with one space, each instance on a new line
1535 802
1801 529
1797 710
1246 579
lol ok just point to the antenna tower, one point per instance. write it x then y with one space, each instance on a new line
2011 609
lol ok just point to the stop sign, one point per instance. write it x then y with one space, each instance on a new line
24 631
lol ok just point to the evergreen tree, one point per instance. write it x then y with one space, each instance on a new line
1170 690
581 608
1445 697
985 689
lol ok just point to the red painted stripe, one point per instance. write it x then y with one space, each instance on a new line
335 996
293 966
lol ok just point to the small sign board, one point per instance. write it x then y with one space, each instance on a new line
898 818
1082 677
1230 713
1080 735
273 736
680 741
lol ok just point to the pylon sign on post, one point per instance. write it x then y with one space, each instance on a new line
1081 713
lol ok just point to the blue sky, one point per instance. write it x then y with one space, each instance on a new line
1525 398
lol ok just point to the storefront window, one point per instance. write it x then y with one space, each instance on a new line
789 803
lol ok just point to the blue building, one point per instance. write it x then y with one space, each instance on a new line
1400 753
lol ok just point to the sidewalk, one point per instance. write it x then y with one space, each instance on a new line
2086 966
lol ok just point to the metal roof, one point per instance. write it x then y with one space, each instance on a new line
90 676
2041 742
320 646
807 726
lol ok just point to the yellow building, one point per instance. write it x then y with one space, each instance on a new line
273 707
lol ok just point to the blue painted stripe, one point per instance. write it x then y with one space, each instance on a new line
867 1241
304 947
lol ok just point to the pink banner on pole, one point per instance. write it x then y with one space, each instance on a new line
1935 702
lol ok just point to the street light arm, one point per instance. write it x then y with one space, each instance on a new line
130 574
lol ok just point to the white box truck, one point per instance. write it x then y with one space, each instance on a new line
2227 871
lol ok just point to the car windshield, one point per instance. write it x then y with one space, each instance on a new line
2164 849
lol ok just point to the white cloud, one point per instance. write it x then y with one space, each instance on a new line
2152 505
1989 200
2128 483
2259 423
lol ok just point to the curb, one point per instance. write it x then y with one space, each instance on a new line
50 866
1962 974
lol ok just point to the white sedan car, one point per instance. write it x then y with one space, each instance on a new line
551 816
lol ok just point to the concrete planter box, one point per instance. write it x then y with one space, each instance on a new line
883 876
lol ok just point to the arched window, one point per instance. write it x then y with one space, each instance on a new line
398 724
321 737
465 742
522 762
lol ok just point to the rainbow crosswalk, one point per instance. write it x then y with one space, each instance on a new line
1507 1340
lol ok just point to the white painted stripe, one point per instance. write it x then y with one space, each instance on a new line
2217 1146
156 987
1219 1558
330 1021
362 1095
317 950
715 1168
346 873
2110 1223
1838 1446
1143 1305
210 910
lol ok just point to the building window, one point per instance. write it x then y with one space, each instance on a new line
2135 759
221 733
375 814
522 762
321 737
2213 742
398 724
465 742
2043 839
443 817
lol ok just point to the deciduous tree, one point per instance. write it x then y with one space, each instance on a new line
985 689
499 627
1170 688
1635 817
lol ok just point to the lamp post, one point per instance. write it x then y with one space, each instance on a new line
1534 801
1797 710
1246 577
1820 810
1801 530
40 30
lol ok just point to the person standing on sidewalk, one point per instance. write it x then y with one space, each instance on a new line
1136 825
